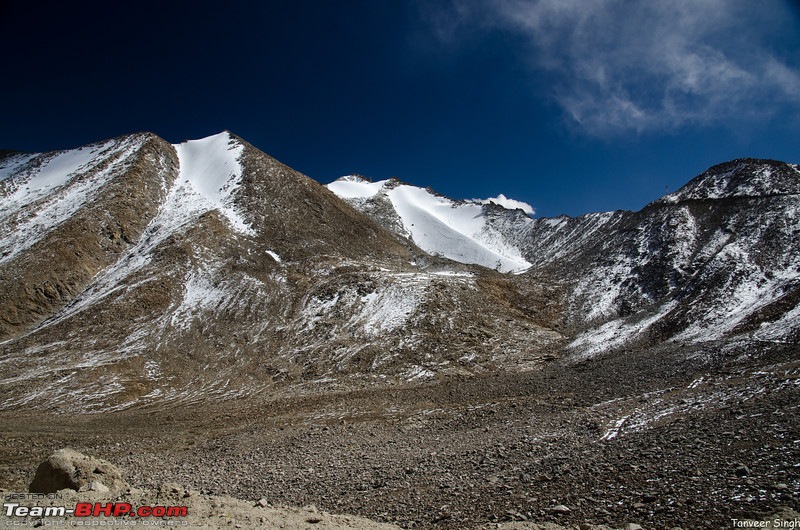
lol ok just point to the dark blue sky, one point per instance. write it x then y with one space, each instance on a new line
570 106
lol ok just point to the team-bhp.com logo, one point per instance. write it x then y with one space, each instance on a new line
97 509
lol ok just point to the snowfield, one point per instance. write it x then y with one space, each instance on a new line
457 230
209 174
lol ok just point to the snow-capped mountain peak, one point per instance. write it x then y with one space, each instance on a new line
210 172
458 230
744 177
125 262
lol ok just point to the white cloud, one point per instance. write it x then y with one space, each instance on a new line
511 204
616 66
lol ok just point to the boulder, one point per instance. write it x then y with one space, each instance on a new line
69 469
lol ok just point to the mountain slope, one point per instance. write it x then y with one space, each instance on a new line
67 215
237 275
716 259
134 271
458 230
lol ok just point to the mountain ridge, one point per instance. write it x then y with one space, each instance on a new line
741 177
168 255
266 264
439 225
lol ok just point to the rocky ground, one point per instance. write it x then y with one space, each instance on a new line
204 511
662 439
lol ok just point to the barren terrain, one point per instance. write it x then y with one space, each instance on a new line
214 322
663 439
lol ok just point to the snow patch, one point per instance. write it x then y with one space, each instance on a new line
387 310
152 370
199 295
454 230
613 431
209 174
510 204
416 373
614 334
777 331
458 230
454 274
354 187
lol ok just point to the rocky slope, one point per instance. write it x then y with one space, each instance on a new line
717 259
661 438
137 271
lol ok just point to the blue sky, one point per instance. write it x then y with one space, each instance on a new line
572 106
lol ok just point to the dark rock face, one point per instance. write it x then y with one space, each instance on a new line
69 469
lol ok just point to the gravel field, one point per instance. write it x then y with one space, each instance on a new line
659 439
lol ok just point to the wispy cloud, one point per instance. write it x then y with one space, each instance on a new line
617 66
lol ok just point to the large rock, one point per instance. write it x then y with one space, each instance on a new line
69 469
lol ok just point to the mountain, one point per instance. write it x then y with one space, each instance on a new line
135 271
218 323
458 230
717 259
